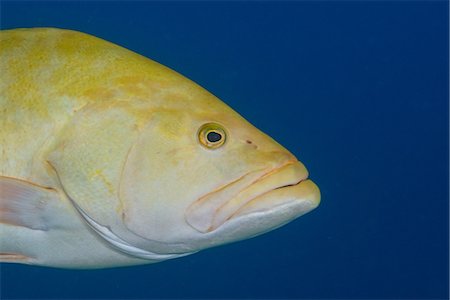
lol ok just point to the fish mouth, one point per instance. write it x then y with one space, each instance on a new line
256 192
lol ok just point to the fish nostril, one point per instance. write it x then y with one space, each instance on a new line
249 142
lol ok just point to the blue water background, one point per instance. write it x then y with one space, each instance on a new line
357 90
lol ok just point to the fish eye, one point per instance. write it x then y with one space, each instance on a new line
211 135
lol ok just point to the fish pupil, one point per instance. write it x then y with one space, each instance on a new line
213 137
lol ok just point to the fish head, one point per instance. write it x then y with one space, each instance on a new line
204 177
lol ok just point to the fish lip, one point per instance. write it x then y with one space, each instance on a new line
307 198
294 181
214 209
270 211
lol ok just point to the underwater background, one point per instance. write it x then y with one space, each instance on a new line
358 91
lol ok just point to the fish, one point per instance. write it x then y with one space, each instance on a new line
110 159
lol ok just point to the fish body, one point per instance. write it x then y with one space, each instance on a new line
111 159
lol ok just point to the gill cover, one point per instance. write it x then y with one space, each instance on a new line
88 160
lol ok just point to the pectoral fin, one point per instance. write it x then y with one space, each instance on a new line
15 258
25 204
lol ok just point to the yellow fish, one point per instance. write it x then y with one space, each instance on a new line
111 159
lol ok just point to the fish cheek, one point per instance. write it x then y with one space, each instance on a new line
167 170
154 191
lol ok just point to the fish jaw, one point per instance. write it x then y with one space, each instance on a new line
301 197
261 192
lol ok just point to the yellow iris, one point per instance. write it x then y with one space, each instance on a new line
212 135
